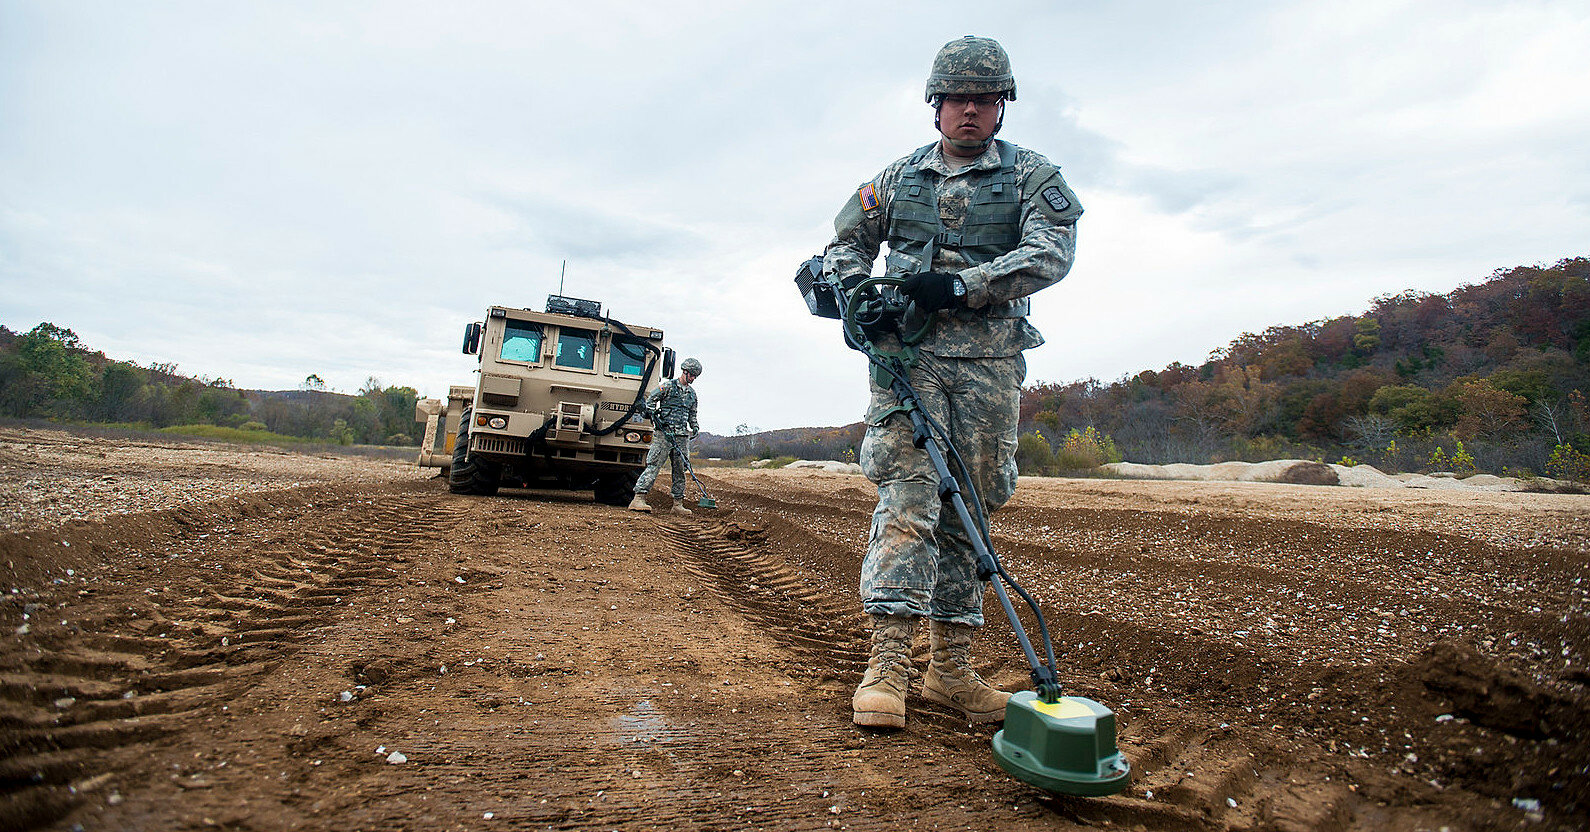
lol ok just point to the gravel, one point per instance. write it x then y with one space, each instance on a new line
54 477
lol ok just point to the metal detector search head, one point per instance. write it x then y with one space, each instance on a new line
1065 747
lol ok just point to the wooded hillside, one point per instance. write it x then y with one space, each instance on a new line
47 373
1491 376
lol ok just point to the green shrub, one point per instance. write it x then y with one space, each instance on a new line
1462 461
1086 448
1034 456
1568 463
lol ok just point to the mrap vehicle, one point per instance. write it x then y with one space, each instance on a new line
559 401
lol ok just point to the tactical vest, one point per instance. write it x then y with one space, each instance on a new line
672 410
993 217
992 225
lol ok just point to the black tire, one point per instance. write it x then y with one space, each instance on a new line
616 489
476 477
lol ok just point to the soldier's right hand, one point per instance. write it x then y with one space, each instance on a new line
931 290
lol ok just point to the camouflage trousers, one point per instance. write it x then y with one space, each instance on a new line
669 447
920 561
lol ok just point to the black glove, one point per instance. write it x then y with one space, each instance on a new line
932 291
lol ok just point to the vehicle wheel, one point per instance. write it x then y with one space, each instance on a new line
474 476
616 489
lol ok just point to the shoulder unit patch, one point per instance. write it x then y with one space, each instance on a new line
1056 198
869 197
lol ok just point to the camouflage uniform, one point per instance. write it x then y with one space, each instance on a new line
1021 238
673 409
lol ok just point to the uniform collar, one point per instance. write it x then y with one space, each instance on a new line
989 160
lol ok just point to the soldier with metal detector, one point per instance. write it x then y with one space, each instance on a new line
673 412
974 226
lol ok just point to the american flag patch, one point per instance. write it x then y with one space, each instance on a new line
869 197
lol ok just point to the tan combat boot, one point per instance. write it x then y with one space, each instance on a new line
679 508
879 701
950 679
639 504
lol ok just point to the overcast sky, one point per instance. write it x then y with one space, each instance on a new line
259 191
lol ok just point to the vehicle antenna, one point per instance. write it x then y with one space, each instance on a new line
561 273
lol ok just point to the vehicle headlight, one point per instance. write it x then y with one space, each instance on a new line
632 436
497 423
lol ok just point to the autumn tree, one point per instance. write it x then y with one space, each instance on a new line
1486 411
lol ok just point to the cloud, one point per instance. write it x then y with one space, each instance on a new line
259 191
595 234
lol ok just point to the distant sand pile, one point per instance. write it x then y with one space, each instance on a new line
1288 471
831 466
1304 472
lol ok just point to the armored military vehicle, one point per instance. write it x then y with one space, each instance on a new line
559 401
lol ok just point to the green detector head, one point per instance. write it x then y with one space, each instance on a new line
1065 747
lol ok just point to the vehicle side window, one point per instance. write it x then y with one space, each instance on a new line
521 342
626 356
577 349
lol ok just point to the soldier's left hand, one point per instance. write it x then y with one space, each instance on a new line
932 291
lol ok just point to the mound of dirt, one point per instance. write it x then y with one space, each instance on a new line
1305 472
1495 696
829 465
1295 471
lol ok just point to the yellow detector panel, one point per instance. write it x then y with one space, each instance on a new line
1066 708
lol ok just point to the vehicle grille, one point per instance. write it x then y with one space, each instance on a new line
498 445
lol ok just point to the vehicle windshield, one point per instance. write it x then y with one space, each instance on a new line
627 356
521 341
577 349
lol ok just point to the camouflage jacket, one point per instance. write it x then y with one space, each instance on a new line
673 408
993 323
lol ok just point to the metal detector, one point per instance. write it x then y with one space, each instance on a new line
705 501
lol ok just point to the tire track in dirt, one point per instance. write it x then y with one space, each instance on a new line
809 622
562 739
79 697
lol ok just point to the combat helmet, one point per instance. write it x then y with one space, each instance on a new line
971 66
691 366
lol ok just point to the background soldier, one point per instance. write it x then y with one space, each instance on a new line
977 225
673 414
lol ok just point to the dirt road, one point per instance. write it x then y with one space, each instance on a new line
340 644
